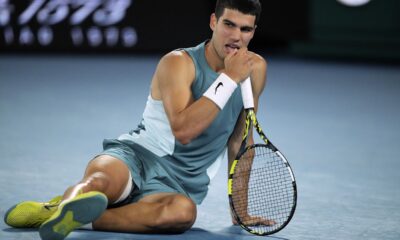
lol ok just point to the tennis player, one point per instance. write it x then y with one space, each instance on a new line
151 179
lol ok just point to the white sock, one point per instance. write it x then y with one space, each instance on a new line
88 226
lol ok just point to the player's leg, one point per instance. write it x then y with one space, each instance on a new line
104 181
101 173
105 174
156 213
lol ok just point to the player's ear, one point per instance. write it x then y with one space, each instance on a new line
254 32
213 21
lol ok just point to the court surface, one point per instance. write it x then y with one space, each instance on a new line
337 123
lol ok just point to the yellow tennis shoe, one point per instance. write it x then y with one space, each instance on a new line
72 214
31 214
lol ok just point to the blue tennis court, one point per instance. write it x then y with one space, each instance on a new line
338 123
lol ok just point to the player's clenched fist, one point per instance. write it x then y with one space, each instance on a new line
238 64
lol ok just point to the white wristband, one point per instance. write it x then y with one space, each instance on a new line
221 90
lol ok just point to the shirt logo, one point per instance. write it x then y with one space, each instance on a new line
220 84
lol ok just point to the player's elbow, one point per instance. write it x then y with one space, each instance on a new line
183 132
182 136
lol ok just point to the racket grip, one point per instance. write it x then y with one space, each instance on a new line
247 94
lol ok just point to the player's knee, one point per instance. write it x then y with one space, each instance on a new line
178 215
187 214
97 181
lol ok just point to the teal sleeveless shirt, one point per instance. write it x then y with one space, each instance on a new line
189 163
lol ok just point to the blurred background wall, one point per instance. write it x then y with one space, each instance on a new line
358 29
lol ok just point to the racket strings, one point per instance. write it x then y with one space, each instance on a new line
262 190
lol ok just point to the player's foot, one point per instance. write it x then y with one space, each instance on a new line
31 214
74 213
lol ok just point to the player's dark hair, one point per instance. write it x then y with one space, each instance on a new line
251 7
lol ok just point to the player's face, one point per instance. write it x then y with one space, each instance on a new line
233 30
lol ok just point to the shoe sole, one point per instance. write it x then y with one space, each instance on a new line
81 210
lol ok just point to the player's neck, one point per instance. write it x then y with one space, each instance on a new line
215 62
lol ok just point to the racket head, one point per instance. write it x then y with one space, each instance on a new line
271 189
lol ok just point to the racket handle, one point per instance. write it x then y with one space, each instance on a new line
247 94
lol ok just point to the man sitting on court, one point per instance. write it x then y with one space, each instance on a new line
151 179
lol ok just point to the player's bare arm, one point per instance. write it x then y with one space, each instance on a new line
172 85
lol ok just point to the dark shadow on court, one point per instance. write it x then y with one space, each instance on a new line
236 232
229 233
12 230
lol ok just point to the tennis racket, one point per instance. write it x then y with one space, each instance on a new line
261 186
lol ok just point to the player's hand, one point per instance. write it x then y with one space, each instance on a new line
254 221
238 64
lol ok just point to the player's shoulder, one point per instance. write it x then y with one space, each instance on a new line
177 58
175 65
259 73
259 61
